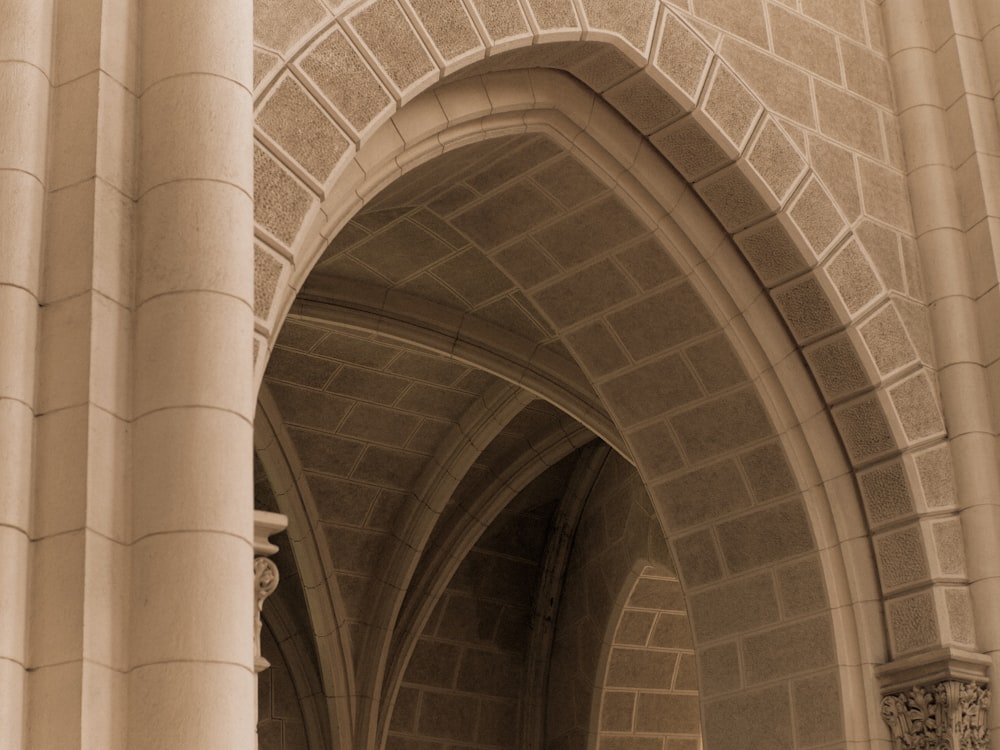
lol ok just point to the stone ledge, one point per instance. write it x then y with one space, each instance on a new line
931 667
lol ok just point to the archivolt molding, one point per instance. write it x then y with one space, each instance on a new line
278 458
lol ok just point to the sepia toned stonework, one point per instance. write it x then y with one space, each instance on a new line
618 374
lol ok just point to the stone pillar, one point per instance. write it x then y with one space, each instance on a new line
191 640
937 701
25 58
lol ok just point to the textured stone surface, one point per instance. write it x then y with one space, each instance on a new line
774 255
555 14
773 156
297 124
644 103
804 304
387 32
901 557
733 198
765 536
702 495
503 19
267 271
784 89
345 79
834 362
803 646
277 24
632 19
761 718
816 216
282 201
690 149
743 18
806 44
683 56
449 25
731 106
886 492
865 429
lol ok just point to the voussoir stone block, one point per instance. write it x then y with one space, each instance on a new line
296 123
267 272
802 646
916 406
554 14
765 536
698 560
449 26
390 37
281 201
345 80
936 475
865 429
683 57
733 198
855 281
775 160
644 103
815 214
807 307
776 250
692 151
838 368
503 20
887 340
902 558
632 20
887 490
277 24
728 108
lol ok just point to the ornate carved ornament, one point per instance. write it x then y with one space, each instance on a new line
265 573
949 715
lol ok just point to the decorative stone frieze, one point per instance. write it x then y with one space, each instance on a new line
949 710
265 572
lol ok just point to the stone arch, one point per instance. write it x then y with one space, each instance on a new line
647 688
865 344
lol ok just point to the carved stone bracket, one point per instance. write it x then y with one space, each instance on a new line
946 710
265 572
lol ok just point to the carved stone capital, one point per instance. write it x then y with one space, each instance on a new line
265 573
937 700
949 715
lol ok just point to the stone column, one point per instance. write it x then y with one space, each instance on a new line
191 641
25 55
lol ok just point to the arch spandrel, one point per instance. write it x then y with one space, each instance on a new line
851 315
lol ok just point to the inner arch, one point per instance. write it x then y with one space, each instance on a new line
524 239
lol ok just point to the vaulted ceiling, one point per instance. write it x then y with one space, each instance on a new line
435 481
